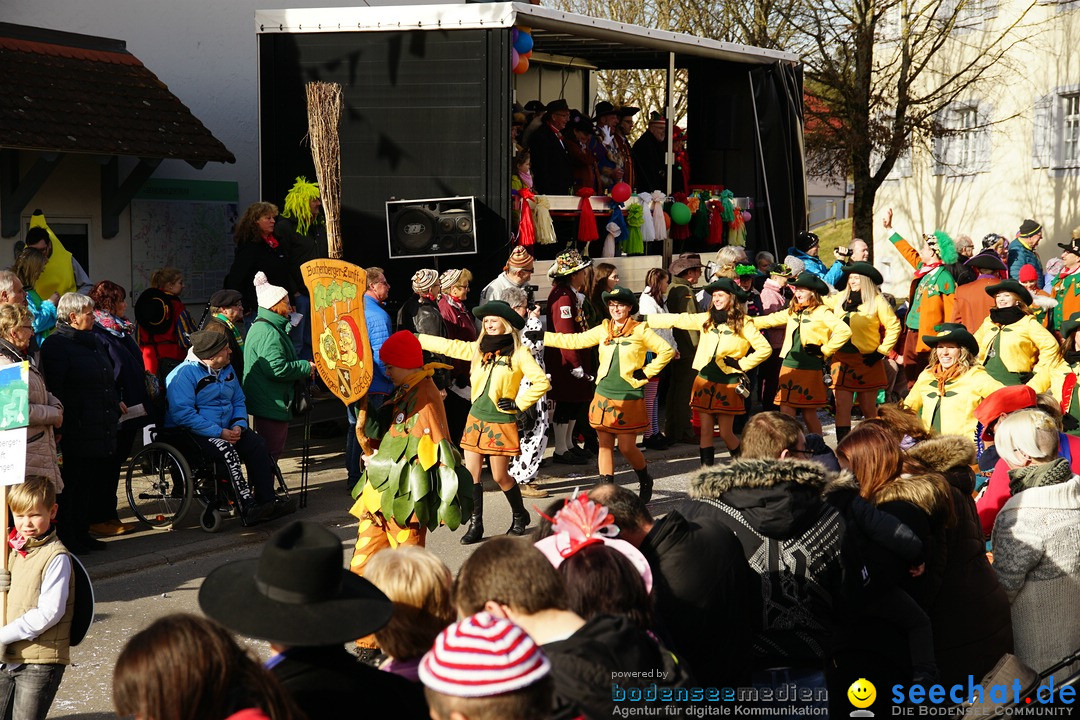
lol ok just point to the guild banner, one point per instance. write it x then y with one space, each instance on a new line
339 336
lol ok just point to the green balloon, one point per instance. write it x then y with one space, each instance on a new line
680 213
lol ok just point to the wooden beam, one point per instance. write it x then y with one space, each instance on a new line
16 192
117 195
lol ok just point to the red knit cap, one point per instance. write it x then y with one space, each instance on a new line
1028 274
402 350
480 656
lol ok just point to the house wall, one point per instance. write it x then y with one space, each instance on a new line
1008 180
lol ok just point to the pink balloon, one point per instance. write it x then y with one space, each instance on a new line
620 193
745 216
514 59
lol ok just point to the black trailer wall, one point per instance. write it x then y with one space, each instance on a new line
425 115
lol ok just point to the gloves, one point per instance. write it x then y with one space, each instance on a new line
639 374
5 580
814 350
578 373
507 405
872 359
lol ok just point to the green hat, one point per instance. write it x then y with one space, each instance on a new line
944 245
624 296
1070 324
810 281
859 268
500 308
1012 286
729 286
953 333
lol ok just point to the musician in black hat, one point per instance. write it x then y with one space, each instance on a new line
550 162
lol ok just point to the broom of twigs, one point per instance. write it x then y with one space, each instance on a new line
324 123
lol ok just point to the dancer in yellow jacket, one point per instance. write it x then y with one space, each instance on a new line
1013 345
499 362
947 392
730 345
1061 380
813 335
618 407
857 367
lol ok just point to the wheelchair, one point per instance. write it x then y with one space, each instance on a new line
165 477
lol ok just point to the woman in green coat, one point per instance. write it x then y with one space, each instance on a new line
271 367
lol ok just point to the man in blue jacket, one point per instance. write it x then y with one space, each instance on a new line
806 249
1023 250
206 399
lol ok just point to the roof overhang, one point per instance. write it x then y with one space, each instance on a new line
600 43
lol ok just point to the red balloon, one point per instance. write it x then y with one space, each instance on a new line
522 66
620 193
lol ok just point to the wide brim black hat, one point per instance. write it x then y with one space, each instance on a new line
1070 324
810 281
603 108
296 593
628 111
1012 286
153 311
1071 247
557 106
729 286
502 309
987 260
622 295
953 333
860 268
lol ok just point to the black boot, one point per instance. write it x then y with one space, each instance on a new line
708 456
735 452
645 483
606 480
842 432
521 515
475 533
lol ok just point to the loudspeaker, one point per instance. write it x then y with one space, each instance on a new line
435 226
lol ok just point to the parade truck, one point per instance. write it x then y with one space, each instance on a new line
425 134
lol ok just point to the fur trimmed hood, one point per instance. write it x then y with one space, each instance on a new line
929 492
944 452
711 483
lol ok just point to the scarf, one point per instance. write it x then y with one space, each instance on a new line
271 241
1045 474
925 269
943 375
718 317
526 179
797 307
235 331
854 300
1006 316
615 332
114 325
494 346
410 381
1072 357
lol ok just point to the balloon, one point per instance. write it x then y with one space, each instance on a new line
523 43
528 54
745 216
524 28
514 35
522 66
620 193
680 214
515 58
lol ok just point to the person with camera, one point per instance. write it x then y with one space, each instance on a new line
730 345
813 335
857 251
857 367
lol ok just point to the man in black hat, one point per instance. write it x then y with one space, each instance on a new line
584 166
297 596
971 304
603 144
205 399
650 150
225 314
1023 250
550 162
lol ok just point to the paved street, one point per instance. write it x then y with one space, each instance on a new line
149 574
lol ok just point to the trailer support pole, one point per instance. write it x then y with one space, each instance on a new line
669 157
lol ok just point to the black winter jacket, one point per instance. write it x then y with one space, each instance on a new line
250 258
77 370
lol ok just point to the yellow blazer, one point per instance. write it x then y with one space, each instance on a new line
723 345
866 327
1021 343
963 395
631 354
817 327
505 381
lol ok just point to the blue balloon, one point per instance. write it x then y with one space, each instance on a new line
524 43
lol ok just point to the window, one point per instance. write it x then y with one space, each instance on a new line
964 145
1056 129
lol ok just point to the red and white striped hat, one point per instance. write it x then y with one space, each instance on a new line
482 655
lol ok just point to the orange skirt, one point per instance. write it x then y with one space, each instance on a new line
488 438
618 417
801 388
850 372
716 398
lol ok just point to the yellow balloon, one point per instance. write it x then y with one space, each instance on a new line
862 693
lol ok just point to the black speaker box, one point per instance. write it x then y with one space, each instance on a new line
435 226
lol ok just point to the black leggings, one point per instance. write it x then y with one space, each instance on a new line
251 450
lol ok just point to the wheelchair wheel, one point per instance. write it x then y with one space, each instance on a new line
211 519
159 486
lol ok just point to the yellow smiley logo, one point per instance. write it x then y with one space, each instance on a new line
862 693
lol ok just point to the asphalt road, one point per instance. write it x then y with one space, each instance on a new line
148 574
